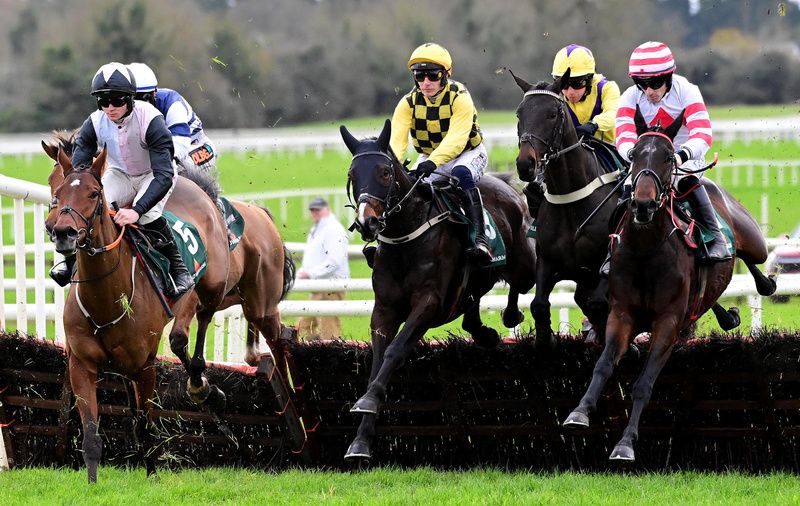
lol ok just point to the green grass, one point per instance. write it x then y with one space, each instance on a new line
392 486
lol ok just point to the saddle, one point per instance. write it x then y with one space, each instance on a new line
448 197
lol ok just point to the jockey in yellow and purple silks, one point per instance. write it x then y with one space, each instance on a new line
442 121
592 99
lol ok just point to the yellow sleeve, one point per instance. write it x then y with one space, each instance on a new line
401 125
457 136
606 120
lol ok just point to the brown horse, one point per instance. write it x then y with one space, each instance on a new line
656 283
112 317
261 268
421 277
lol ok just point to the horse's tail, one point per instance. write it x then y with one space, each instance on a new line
289 268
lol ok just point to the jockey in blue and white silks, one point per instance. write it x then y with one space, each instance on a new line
193 148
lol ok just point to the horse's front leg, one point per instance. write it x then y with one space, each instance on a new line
511 315
618 333
83 381
386 358
662 340
540 307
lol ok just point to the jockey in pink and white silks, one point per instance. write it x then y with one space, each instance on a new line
140 174
193 148
661 95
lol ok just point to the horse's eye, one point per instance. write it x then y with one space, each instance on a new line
53 204
94 195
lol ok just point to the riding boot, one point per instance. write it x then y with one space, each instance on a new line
534 194
717 249
62 271
164 242
478 250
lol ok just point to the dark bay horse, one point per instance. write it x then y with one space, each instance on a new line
656 283
576 186
421 277
261 269
112 316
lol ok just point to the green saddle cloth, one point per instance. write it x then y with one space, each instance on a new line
233 221
703 235
191 247
496 244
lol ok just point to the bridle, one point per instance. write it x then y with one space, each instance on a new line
552 152
392 194
663 188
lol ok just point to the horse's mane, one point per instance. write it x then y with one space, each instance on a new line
542 85
204 180
65 139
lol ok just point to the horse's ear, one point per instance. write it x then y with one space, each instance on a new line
64 161
522 83
638 120
386 134
349 141
99 164
52 151
672 129
562 83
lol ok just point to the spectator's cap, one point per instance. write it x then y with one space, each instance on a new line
318 203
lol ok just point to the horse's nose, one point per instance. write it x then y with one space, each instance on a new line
524 168
371 229
643 209
65 239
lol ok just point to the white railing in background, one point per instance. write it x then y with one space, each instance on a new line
229 325
319 139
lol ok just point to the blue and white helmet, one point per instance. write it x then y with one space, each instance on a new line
113 79
146 81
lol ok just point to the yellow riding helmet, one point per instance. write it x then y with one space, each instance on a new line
432 53
578 59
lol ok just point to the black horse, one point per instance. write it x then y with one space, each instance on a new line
421 276
656 282
577 186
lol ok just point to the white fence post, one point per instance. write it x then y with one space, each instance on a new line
19 264
3 455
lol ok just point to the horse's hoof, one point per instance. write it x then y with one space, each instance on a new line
358 451
733 320
576 420
486 337
512 318
217 401
198 395
251 358
622 453
633 351
365 406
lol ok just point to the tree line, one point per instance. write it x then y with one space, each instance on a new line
251 63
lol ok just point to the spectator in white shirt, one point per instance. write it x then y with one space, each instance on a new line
325 257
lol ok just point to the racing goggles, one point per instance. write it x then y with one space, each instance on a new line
576 83
433 75
653 83
116 101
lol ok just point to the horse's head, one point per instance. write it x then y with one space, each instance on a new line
77 203
543 125
652 166
375 178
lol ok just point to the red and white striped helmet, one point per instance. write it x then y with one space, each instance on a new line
651 59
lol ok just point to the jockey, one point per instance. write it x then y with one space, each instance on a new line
140 174
592 100
443 123
193 149
661 95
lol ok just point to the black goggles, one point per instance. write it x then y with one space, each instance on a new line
118 101
576 83
653 83
433 75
